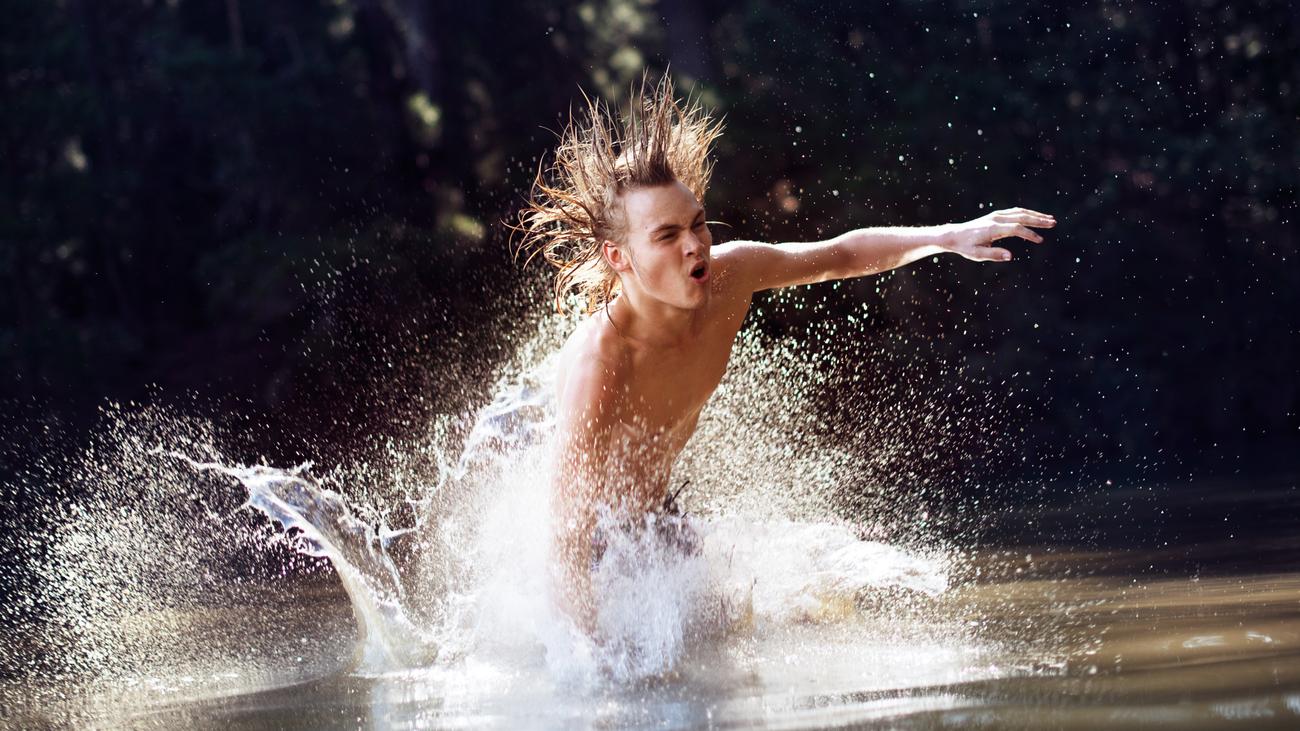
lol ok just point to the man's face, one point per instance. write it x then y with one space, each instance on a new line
666 254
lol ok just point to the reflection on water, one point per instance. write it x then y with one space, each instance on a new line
1047 638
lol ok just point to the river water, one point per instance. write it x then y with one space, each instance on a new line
176 589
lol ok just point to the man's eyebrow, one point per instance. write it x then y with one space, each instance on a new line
669 226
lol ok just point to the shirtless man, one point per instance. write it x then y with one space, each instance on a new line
622 219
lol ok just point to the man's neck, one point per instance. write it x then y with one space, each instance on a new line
651 323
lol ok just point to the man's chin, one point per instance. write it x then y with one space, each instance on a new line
699 301
691 300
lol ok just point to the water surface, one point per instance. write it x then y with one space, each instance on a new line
1197 634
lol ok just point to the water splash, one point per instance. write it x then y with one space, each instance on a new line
493 540
323 524
441 546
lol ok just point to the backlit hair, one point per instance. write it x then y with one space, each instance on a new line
576 204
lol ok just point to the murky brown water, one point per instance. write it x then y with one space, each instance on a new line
1193 634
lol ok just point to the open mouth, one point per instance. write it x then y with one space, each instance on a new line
700 272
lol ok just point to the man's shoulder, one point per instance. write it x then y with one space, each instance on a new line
735 257
594 342
593 362
739 249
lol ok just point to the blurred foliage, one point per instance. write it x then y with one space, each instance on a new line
285 204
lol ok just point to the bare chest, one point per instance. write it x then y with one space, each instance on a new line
667 390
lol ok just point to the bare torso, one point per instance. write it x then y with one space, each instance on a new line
663 389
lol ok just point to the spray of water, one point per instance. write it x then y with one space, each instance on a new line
154 520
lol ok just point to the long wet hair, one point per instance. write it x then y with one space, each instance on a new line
576 204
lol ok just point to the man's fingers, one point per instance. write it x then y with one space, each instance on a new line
1047 217
1018 211
1028 218
1005 230
1028 234
1040 220
989 253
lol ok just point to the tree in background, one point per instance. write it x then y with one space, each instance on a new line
288 202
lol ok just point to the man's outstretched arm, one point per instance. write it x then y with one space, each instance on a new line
873 250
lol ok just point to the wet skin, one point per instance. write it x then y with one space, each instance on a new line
633 377
651 385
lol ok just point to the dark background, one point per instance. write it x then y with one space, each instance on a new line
291 214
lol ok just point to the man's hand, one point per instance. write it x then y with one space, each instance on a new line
973 239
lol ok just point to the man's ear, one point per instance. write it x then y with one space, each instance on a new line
615 255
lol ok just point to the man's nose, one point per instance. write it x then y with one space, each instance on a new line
695 245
